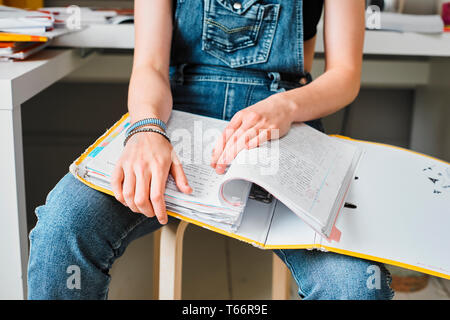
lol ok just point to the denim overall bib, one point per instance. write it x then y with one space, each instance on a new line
229 54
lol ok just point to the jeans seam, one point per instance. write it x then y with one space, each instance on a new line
289 265
249 95
262 83
224 108
116 245
300 44
224 79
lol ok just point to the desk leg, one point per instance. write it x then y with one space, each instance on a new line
430 133
13 220
430 130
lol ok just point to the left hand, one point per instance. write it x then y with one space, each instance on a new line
268 119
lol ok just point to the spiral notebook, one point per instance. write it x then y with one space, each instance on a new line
400 199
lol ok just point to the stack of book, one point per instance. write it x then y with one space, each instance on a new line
23 32
86 15
19 47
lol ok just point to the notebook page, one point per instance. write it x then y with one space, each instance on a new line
193 138
304 170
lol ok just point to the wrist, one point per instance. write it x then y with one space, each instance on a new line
146 130
136 116
294 104
288 105
146 110
157 122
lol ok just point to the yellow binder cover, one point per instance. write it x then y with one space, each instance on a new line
401 218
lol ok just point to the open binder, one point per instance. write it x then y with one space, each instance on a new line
401 218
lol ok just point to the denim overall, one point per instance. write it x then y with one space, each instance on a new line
226 55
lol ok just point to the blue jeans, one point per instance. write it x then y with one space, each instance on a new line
83 231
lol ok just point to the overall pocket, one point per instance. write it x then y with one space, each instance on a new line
239 32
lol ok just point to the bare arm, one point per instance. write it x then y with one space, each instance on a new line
140 175
333 90
149 91
339 84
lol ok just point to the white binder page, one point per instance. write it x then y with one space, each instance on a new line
403 209
287 229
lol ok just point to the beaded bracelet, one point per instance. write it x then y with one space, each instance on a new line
132 133
149 121
146 125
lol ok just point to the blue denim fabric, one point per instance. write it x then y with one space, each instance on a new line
86 229
79 226
217 32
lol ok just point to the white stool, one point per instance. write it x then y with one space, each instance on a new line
168 258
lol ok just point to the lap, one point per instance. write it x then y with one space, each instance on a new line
79 217
74 209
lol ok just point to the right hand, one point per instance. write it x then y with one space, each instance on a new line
140 175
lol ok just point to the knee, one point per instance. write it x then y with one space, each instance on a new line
63 207
72 214
330 276
354 279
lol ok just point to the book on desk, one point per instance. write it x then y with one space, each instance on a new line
400 200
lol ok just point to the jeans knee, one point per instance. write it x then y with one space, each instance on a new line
330 276
71 220
358 280
371 283
64 210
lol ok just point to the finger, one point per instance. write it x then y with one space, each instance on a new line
142 194
232 149
250 121
157 189
116 183
129 184
177 172
220 165
263 136
229 130
220 144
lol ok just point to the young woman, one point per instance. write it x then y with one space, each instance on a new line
242 60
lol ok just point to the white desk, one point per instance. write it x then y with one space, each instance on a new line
19 82
377 42
22 80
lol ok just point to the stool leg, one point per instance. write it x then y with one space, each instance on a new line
171 258
280 279
156 262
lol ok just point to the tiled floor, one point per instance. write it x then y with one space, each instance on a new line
218 267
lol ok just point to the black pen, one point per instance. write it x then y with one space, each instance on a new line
350 205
